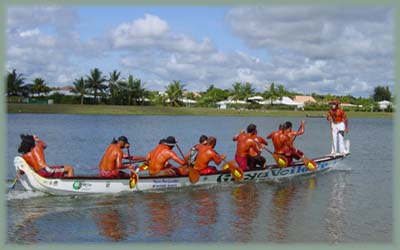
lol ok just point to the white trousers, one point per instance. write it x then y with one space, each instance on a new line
338 138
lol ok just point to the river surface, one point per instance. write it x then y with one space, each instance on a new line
352 203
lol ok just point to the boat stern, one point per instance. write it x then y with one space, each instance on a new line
22 171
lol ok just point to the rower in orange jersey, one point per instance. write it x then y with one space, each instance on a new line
111 164
205 155
193 152
289 149
278 140
256 159
245 141
32 150
159 156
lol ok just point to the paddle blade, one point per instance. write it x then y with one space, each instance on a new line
281 160
310 164
133 180
225 167
194 175
143 167
237 173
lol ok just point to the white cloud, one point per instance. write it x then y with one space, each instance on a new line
323 50
153 33
150 26
354 45
27 33
45 41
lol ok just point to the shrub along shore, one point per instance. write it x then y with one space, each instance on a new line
166 110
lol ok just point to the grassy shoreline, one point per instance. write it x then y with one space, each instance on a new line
162 110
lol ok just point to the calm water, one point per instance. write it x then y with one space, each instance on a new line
352 203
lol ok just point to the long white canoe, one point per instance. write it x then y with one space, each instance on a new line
79 185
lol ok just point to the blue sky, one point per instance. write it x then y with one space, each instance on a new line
325 50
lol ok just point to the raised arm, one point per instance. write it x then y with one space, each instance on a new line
300 131
39 142
236 137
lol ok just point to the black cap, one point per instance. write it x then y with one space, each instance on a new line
203 138
123 139
170 141
251 128
288 124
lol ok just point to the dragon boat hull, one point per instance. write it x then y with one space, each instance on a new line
80 185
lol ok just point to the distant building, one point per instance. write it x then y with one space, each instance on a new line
184 100
349 105
304 99
63 92
284 101
224 104
384 104
256 99
221 105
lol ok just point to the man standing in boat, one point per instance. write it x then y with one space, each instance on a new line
111 163
205 155
245 141
32 150
159 156
339 125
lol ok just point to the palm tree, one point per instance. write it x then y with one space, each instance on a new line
14 83
113 85
80 88
139 91
122 94
271 94
39 86
175 92
236 91
95 82
133 86
247 90
281 91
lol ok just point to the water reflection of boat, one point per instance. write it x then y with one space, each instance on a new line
162 221
78 185
109 222
280 208
335 217
25 229
205 207
247 205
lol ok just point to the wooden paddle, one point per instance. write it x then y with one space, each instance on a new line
134 178
281 160
296 135
310 164
237 173
13 183
131 161
194 175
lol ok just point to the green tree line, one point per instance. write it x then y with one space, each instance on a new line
96 87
